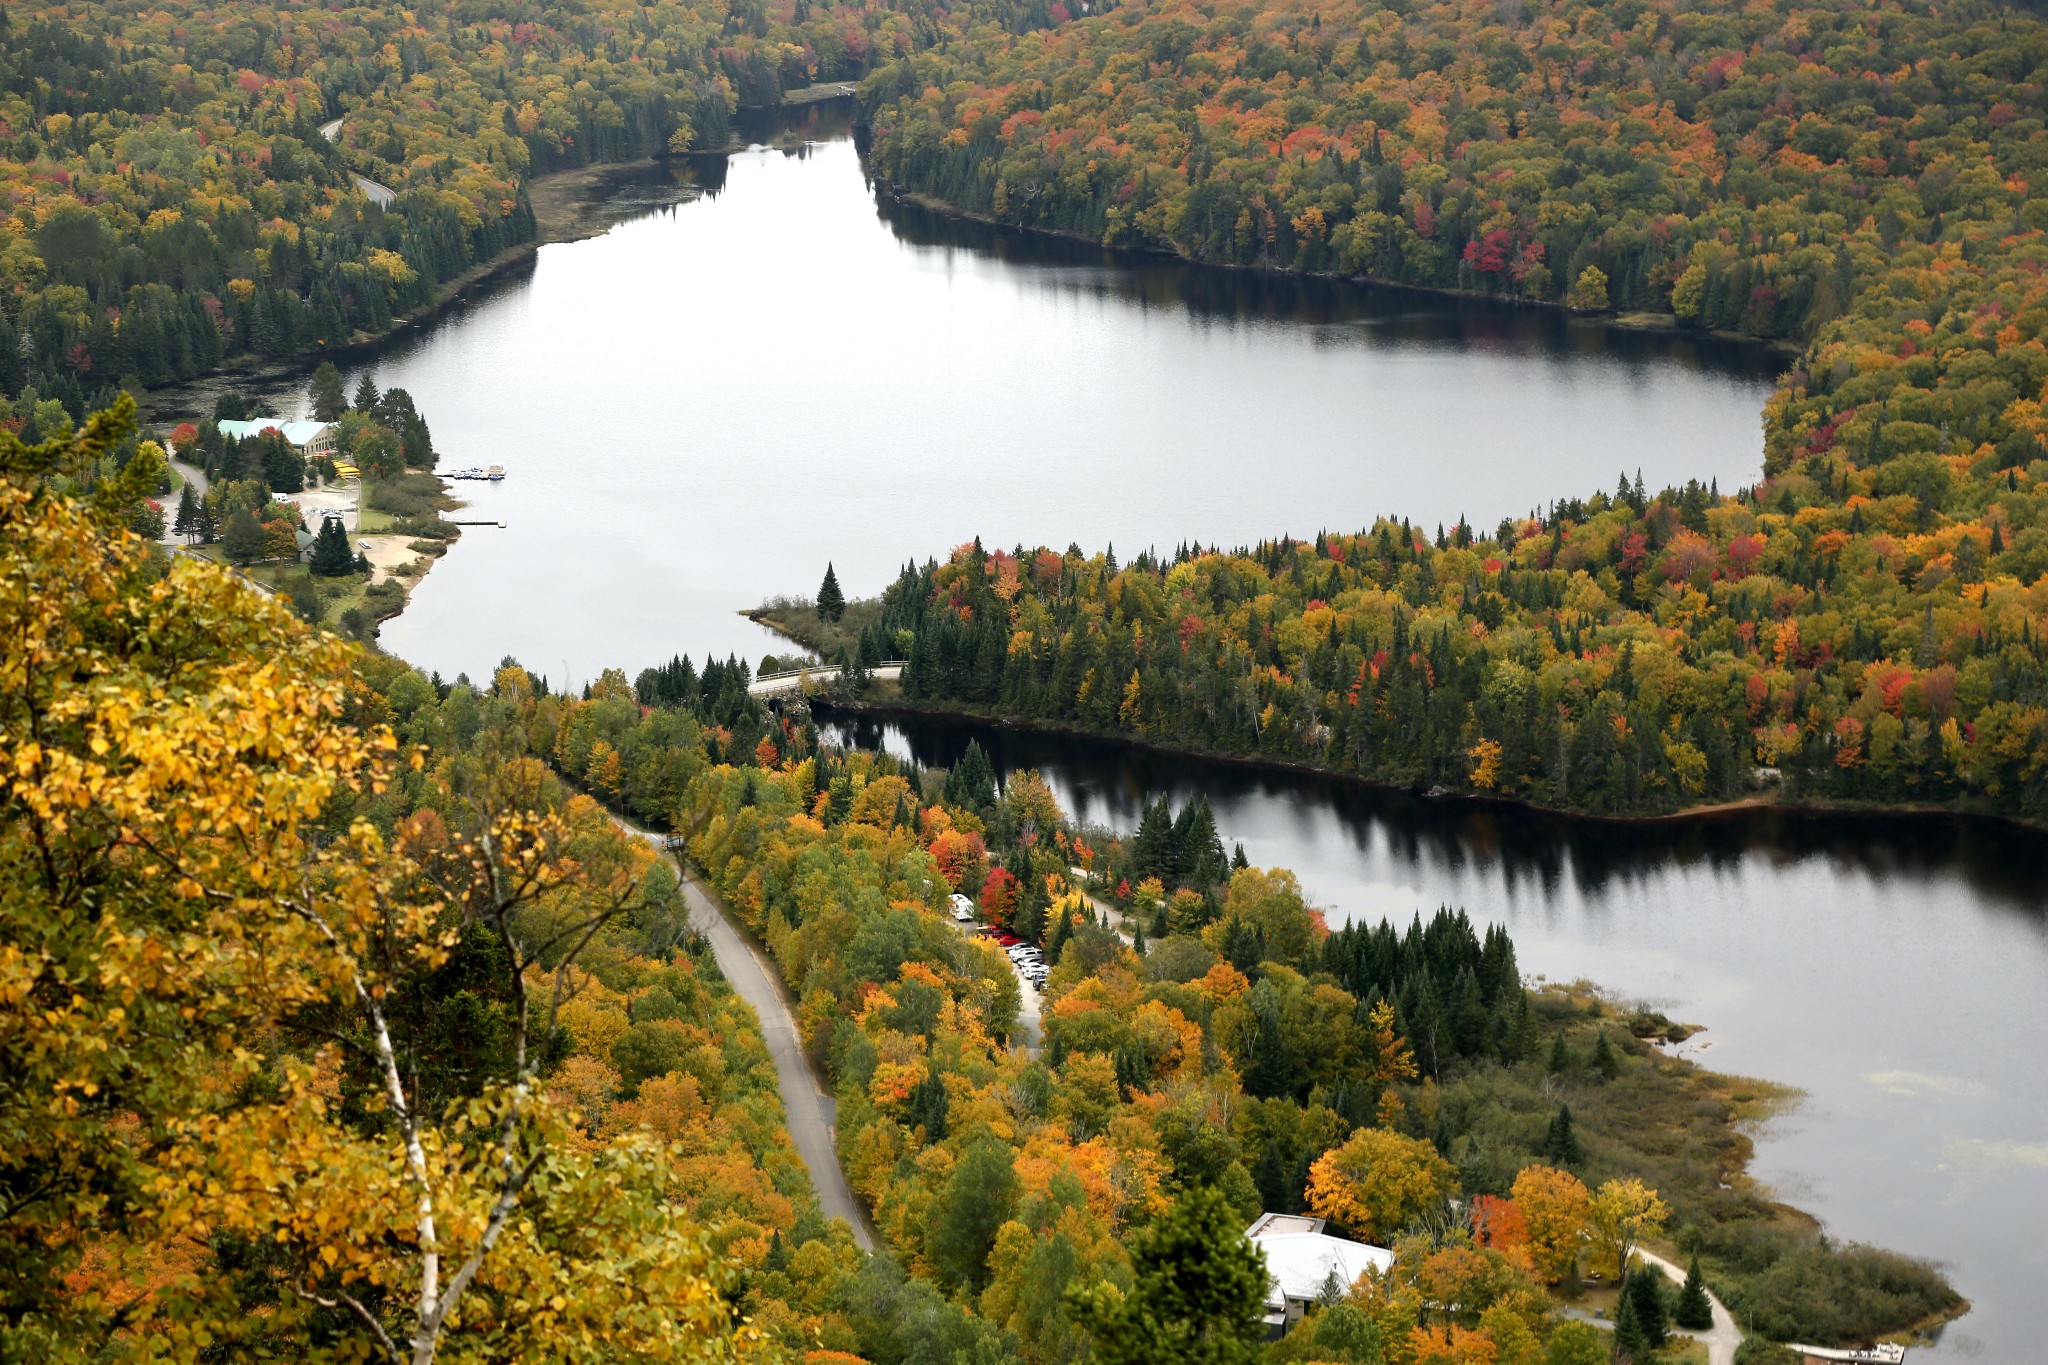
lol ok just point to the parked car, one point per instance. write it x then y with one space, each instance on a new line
963 908
1007 940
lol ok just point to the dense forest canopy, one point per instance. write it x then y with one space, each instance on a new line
174 198
1749 168
1864 622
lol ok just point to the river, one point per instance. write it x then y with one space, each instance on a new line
768 369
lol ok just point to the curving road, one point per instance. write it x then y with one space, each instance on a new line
378 194
810 1111
1724 1338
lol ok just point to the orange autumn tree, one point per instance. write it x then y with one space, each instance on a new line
1378 1181
1556 1209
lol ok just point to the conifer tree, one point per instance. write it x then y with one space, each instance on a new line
1560 1056
366 394
187 521
831 601
1630 1345
1694 1311
1604 1061
330 400
1560 1143
1238 862
332 557
1642 1288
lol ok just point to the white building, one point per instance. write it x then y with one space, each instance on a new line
1305 1262
308 438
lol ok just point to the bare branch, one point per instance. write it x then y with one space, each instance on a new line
355 1305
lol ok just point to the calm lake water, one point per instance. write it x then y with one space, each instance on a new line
703 406
1892 969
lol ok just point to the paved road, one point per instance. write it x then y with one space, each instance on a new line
810 1111
776 683
1724 1337
1722 1340
380 195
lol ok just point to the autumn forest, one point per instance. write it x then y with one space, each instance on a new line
353 1013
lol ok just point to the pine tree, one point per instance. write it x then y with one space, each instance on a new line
1694 1310
1630 1345
1238 862
187 522
1137 938
831 601
330 400
1560 1056
1642 1287
332 557
1604 1061
1560 1143
1055 941
366 394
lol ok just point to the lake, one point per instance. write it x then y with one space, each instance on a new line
763 369
1892 968
710 402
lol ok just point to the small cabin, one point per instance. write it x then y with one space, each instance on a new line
1304 1263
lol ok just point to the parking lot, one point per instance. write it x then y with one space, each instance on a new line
1028 963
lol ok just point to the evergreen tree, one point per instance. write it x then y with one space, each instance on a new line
1137 938
187 522
203 524
1604 1061
332 557
1630 1345
972 782
284 469
330 400
1196 1292
1643 1287
1560 1056
1560 1143
927 1105
974 1203
1238 862
366 395
831 601
1694 1311
243 538
1062 928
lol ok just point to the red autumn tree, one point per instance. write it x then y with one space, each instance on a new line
999 898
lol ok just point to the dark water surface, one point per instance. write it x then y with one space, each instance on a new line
1894 969
701 407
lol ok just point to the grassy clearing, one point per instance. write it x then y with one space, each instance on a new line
1684 1130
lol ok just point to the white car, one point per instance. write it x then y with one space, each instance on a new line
963 908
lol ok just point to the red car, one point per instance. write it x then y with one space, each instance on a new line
1008 940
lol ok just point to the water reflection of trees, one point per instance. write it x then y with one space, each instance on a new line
1374 312
1529 850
